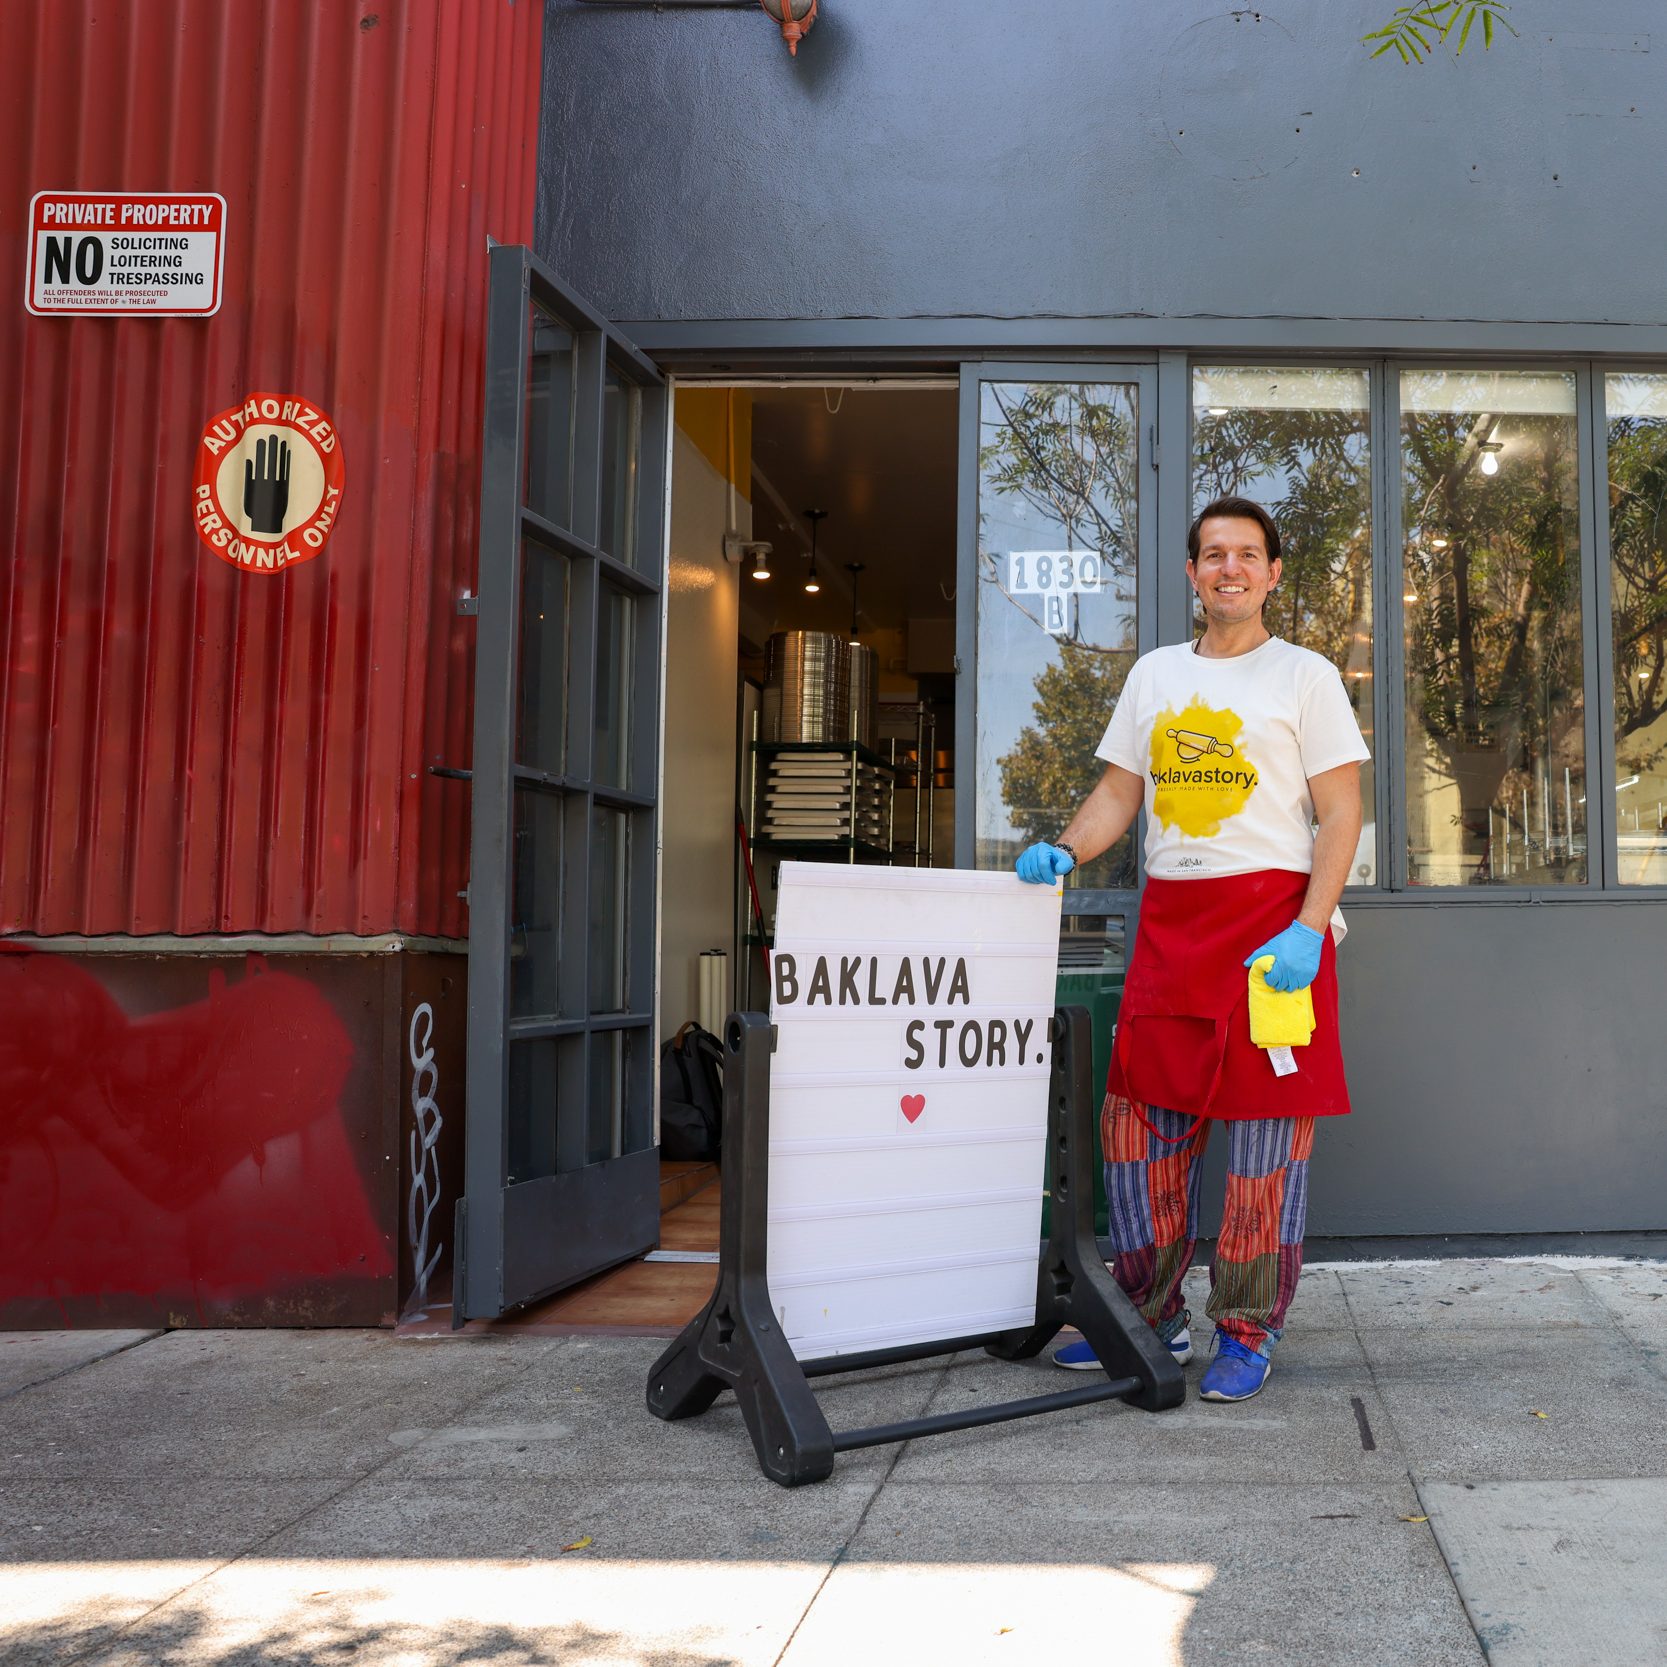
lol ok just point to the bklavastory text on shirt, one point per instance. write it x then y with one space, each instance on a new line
1225 749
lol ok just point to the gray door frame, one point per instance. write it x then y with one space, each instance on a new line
581 1209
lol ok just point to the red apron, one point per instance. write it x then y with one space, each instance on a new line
1183 1033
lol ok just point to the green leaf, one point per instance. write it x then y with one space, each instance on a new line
1487 31
1464 33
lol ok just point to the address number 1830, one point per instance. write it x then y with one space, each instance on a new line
1053 572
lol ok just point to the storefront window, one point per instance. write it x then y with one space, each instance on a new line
1058 477
1494 703
1298 441
1636 408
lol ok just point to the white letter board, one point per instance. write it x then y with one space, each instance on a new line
908 1103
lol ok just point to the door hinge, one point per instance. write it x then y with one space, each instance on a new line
468 604
957 665
1152 442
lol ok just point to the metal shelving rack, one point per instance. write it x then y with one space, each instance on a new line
917 774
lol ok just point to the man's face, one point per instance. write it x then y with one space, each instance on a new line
1232 573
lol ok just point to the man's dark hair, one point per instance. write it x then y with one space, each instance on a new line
1244 509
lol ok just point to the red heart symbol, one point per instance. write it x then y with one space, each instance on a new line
913 1105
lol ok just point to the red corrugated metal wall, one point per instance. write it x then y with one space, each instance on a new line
184 747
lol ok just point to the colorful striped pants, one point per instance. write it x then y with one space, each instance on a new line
1152 1192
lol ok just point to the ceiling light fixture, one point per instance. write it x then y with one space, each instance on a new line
815 517
1217 410
1438 543
853 568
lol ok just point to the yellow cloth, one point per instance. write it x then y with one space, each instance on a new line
1278 1018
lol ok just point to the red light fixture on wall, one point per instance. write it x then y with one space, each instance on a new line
795 18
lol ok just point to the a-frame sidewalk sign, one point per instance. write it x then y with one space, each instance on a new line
735 1342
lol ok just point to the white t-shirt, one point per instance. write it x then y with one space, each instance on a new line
1226 748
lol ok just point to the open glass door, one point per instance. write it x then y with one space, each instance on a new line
561 1174
1056 600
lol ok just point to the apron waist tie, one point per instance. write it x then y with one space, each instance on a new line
1168 1140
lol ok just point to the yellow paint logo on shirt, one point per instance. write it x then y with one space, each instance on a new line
1200 774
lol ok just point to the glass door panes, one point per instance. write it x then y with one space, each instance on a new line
1298 442
1635 411
1059 476
608 915
561 892
547 479
621 445
541 738
614 667
535 905
1494 698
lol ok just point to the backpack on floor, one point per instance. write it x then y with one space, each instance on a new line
691 1096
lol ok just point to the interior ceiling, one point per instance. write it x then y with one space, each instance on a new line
882 463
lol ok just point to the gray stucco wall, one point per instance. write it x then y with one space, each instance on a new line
1026 158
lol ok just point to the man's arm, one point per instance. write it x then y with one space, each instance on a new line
1336 795
1107 813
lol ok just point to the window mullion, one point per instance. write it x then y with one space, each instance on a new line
1386 472
1602 813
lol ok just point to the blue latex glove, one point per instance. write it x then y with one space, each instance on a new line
1296 956
1046 865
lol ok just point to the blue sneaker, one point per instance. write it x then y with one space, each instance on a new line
1236 1373
1079 1357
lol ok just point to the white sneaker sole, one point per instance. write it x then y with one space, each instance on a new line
1234 1400
1179 1356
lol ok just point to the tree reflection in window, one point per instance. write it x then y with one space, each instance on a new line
1494 696
1636 408
1058 471
1298 441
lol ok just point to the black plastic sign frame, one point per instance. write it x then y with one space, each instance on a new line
735 1342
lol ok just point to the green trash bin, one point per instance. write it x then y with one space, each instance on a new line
1101 992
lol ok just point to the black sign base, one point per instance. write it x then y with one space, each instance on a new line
735 1342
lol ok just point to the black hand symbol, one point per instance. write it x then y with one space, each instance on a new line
266 486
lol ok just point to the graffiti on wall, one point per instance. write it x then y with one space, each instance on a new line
424 1197
196 1155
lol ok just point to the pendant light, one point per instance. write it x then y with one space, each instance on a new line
853 568
815 517
1490 449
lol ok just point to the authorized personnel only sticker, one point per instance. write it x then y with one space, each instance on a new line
126 252
268 483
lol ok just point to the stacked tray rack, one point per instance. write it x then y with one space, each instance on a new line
829 796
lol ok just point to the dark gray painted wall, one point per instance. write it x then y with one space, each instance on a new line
1111 161
1024 158
1508 1066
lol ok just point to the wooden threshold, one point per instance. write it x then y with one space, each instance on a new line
641 1298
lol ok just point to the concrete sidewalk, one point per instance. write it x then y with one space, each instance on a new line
1455 1462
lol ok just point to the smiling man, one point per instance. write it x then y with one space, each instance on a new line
1244 751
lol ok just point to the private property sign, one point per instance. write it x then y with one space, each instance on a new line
158 252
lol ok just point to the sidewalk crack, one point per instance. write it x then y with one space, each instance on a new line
850 1539
82 1365
1651 1358
1412 1480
